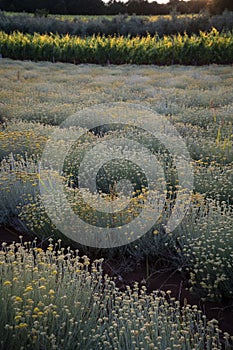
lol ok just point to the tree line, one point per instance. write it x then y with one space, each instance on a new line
113 7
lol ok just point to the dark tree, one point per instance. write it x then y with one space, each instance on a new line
98 7
195 6
136 7
218 6
59 7
85 7
192 6
115 7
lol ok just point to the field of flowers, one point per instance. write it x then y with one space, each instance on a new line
58 296
204 48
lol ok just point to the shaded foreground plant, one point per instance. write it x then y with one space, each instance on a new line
55 298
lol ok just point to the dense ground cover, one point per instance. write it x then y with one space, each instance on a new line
35 98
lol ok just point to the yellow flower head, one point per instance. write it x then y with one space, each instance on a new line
23 325
18 299
42 287
7 283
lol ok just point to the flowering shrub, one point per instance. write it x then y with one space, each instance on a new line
56 298
205 242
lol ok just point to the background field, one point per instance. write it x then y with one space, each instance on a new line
90 17
123 24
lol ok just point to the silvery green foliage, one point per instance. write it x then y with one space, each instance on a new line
120 24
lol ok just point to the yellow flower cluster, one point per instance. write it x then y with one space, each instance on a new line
85 310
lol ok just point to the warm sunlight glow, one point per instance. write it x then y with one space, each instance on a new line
158 1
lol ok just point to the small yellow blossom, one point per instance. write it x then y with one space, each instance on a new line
28 289
39 250
17 298
7 283
17 318
22 325
30 301
42 287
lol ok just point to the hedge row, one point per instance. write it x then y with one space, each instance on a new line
205 48
120 25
